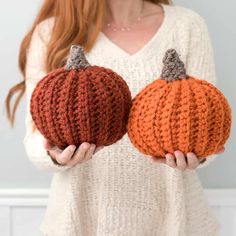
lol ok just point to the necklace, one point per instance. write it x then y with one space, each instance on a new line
126 28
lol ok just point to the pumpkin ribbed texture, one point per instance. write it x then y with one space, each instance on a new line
81 105
188 114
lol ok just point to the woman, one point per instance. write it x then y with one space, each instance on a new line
116 190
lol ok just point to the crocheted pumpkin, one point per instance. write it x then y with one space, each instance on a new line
179 112
81 103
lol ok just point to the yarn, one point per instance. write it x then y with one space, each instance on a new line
81 103
179 112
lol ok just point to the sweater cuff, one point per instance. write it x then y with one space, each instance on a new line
38 155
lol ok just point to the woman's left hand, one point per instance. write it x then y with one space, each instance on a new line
182 162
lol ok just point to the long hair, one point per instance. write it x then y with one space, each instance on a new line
82 21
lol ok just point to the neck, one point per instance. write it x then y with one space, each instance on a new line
123 12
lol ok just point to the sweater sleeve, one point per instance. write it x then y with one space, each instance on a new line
33 141
200 59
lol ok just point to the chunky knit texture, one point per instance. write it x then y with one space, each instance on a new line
81 103
173 67
119 192
77 60
179 112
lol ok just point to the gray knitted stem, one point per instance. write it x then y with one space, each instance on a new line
173 68
77 59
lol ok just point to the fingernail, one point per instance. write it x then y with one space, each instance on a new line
176 152
85 145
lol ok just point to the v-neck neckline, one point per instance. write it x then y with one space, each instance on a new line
147 45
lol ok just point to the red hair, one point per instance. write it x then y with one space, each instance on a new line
82 21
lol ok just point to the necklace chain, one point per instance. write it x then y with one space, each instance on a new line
126 28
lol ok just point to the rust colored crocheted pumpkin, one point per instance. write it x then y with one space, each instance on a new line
179 112
81 103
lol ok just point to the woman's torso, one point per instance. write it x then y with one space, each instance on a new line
119 191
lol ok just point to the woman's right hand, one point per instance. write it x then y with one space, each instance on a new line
69 156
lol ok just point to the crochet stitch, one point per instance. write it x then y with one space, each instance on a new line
179 112
81 103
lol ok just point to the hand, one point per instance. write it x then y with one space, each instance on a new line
182 162
69 156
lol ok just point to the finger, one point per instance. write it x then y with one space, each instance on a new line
65 156
158 159
180 160
192 160
47 144
90 152
170 160
202 160
98 149
55 152
82 149
79 154
220 150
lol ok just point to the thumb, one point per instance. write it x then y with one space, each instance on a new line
158 159
47 144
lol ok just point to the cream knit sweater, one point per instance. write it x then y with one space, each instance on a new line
119 192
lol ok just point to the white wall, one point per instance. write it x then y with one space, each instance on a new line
22 210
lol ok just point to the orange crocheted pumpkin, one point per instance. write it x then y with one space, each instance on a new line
179 112
81 103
